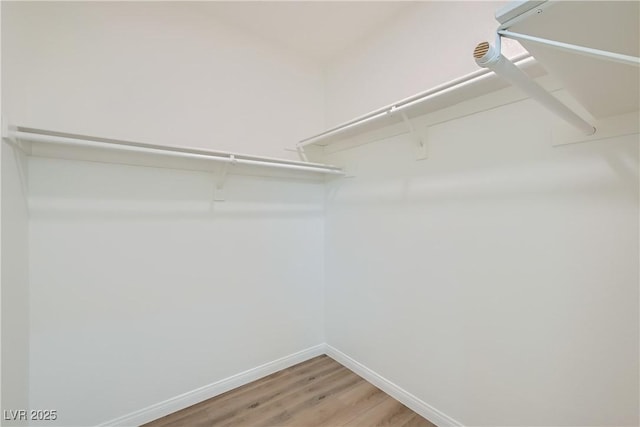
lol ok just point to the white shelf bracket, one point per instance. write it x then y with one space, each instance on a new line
5 127
421 145
7 135
221 179
302 154
572 48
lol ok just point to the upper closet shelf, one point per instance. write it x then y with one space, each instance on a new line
474 84
50 143
592 47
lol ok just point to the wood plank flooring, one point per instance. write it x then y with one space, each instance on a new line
317 393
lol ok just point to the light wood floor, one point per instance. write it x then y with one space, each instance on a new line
318 392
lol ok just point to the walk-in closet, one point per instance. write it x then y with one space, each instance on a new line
320 213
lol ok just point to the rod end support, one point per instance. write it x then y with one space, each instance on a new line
486 54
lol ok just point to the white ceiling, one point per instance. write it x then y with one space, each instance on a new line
318 30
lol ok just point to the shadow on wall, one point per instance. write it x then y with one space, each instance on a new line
73 190
607 172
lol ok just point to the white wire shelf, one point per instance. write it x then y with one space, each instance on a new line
27 134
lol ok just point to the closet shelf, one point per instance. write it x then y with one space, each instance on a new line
597 65
597 61
472 85
50 138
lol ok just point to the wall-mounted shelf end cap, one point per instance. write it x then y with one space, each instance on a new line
7 128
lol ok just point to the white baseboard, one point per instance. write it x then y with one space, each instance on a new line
187 399
198 395
409 400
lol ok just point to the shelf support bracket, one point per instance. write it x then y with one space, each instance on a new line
572 48
421 145
221 179
302 154
7 136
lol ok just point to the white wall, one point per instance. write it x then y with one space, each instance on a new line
429 43
159 72
15 282
496 280
142 289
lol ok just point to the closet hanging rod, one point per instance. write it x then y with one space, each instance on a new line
490 57
418 98
46 136
582 50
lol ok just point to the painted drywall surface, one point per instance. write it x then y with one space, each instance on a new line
496 280
158 72
429 43
15 283
142 289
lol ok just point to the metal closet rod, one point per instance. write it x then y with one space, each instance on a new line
490 57
418 98
47 136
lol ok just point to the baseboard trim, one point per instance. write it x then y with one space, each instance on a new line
198 395
187 399
412 402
